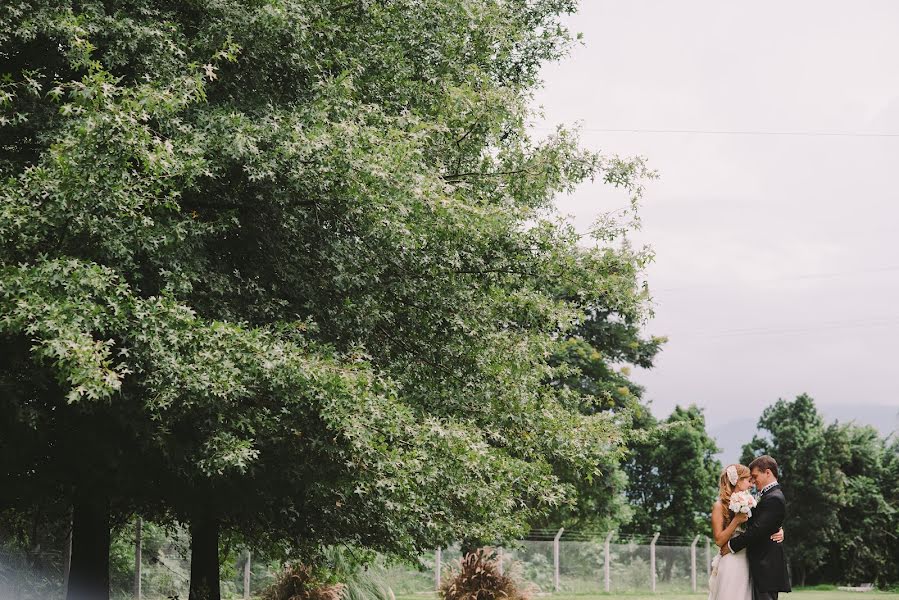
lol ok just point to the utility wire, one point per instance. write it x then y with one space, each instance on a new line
833 275
850 134
764 331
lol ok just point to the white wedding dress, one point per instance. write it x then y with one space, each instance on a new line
730 579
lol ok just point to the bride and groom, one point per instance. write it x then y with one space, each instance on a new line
751 565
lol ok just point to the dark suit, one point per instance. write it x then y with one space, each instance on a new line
767 562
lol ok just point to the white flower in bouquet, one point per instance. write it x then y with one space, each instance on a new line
742 502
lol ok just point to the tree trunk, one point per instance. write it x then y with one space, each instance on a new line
204 559
89 569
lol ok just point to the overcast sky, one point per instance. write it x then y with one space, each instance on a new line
777 268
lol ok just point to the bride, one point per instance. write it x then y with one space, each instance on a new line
730 578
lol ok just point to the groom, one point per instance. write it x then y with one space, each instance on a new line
767 562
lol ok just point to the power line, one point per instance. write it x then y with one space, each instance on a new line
809 328
750 132
832 275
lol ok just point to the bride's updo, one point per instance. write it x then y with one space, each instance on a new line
726 488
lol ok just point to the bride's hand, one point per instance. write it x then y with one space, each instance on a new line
779 536
740 518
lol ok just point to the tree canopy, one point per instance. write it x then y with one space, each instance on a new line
672 475
293 268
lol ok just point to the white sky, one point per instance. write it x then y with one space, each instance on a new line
777 270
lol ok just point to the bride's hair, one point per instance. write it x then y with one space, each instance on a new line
726 488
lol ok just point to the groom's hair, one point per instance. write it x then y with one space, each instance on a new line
764 463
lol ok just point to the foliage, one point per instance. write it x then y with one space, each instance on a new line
294 267
32 548
592 367
301 582
672 476
867 521
121 559
477 577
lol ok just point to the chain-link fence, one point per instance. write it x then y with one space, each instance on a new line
156 568
585 563
548 561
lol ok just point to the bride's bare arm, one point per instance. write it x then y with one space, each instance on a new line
721 533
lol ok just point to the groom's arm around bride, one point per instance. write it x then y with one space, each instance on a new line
767 561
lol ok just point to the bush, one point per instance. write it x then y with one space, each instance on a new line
299 582
478 577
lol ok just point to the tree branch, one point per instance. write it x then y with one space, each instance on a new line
457 176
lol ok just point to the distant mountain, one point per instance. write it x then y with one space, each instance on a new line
732 435
883 418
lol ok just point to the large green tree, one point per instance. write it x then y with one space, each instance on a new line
293 270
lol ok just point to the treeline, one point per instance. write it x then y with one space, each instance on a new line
841 480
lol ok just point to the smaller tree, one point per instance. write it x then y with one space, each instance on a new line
672 475
866 520
479 576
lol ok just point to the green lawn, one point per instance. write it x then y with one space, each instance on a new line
799 595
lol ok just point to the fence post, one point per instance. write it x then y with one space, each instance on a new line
499 560
138 547
652 561
556 559
693 563
608 562
438 560
708 558
246 576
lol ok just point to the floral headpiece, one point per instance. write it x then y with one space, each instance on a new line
732 475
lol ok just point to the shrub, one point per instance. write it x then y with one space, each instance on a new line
478 577
299 582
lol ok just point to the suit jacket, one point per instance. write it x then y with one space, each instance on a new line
767 561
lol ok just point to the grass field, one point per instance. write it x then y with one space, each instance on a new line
798 595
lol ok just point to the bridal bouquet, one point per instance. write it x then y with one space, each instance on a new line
742 502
